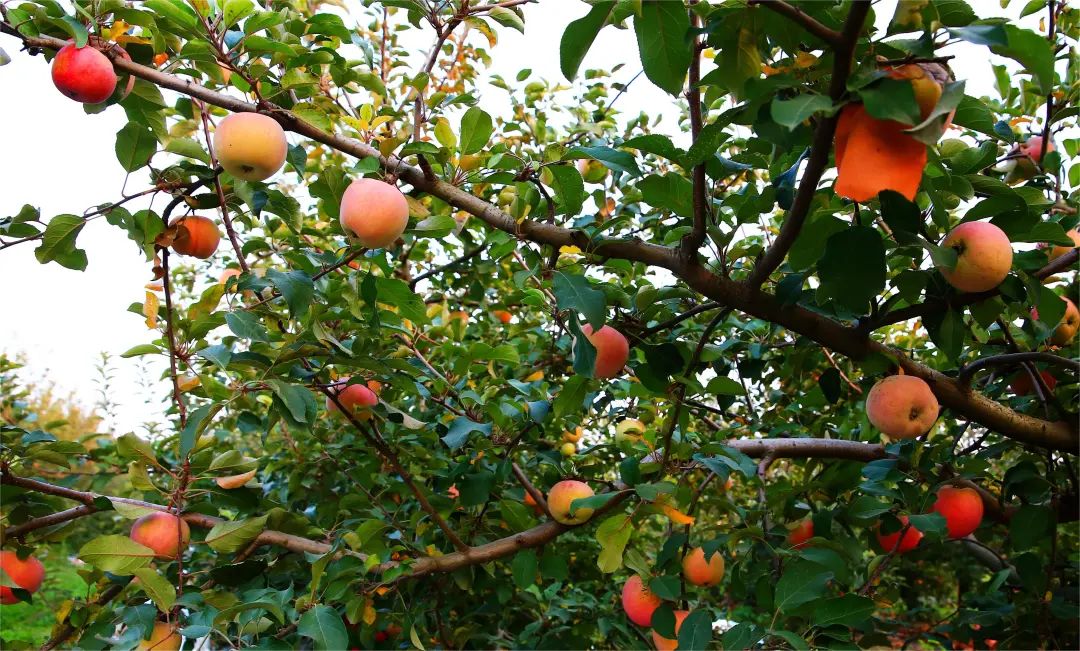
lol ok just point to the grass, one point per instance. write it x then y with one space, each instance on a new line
34 622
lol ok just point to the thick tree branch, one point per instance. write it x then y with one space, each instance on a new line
59 517
819 150
850 342
971 405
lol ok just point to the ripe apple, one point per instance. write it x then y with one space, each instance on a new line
927 88
592 171
910 541
1022 385
1066 330
612 350
983 256
196 236
902 406
802 532
357 398
562 495
962 509
235 481
568 449
164 637
663 643
638 601
1022 159
376 212
250 146
162 532
1059 251
227 274
26 574
83 74
699 572
629 431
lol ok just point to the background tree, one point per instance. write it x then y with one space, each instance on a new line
447 379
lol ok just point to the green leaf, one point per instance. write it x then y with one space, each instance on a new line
1033 52
196 423
619 161
58 243
157 587
523 568
569 188
696 630
116 554
141 349
663 43
892 99
741 636
174 11
571 396
76 29
593 501
397 293
670 192
235 11
130 446
655 143
666 587
929 523
930 130
852 271
135 144
793 112
296 398
476 129
613 534
739 59
801 582
947 331
810 244
460 428
232 460
574 292
323 625
1030 526
129 510
297 288
579 37
233 536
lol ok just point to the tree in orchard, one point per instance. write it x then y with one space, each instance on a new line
787 346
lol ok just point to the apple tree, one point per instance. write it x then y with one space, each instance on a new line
448 373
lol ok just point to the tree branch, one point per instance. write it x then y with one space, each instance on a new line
804 20
530 489
819 150
690 244
19 530
379 444
968 372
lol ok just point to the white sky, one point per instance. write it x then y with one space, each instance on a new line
60 159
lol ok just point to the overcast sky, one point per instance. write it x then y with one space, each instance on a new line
60 159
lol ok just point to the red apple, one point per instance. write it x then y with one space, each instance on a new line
83 74
902 406
983 256
638 601
612 350
701 572
802 532
962 509
562 495
357 398
911 539
26 574
665 644
162 532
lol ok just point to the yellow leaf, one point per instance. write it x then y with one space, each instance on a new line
118 27
150 310
569 249
535 376
417 209
369 611
187 382
381 590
